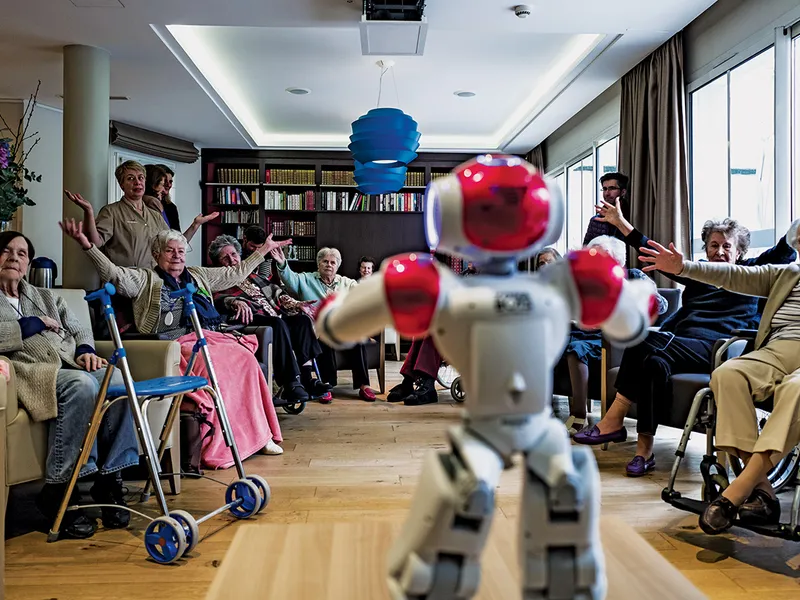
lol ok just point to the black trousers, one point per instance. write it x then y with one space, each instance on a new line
293 343
646 368
356 358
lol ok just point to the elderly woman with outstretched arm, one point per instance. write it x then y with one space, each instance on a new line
246 392
771 370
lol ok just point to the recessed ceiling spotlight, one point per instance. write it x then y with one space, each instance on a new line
464 94
298 91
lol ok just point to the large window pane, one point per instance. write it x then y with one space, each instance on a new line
709 155
733 151
606 160
752 143
580 200
561 244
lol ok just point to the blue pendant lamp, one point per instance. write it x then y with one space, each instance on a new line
384 142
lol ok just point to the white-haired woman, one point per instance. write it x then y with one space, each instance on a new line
584 346
315 286
252 414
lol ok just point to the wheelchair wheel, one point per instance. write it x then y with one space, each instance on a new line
782 474
294 409
446 375
457 390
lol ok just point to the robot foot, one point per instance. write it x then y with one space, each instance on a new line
449 578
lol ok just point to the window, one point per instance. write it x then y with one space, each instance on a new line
733 151
606 160
561 244
580 200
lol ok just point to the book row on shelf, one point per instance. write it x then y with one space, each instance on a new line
289 227
277 200
303 177
290 176
399 202
235 195
244 217
300 252
237 176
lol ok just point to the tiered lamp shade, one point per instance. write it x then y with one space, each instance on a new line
385 136
374 178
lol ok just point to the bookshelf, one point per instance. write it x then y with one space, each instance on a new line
312 198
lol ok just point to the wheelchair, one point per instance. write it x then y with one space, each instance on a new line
717 473
450 379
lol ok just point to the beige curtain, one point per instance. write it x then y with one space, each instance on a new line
536 157
653 148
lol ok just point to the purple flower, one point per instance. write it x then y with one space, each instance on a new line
4 153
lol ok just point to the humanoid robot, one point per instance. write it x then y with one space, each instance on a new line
504 332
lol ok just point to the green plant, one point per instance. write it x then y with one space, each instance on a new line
13 172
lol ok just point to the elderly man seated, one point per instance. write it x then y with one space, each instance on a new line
256 301
316 286
58 377
772 369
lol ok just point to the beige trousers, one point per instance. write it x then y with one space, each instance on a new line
772 370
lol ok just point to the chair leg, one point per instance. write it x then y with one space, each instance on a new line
171 463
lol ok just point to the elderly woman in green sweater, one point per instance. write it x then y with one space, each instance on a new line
772 369
315 286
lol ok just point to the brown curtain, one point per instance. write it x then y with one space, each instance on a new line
536 157
653 149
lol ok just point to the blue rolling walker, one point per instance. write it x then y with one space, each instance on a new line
174 533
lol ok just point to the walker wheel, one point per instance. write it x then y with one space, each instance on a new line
165 540
190 529
294 409
457 390
248 495
263 488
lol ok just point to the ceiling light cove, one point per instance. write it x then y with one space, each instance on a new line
518 81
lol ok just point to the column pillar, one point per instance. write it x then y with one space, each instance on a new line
87 86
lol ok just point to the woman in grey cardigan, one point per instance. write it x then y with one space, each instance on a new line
58 377
772 369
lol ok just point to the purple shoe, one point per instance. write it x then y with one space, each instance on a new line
593 437
639 466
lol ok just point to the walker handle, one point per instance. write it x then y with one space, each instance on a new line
104 295
187 293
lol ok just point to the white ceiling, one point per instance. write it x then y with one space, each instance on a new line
529 75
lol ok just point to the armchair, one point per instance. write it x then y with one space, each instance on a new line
26 440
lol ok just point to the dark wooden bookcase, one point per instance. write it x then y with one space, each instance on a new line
310 197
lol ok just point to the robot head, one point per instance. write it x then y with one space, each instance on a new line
492 206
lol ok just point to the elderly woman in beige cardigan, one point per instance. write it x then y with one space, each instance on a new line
253 419
772 369
58 377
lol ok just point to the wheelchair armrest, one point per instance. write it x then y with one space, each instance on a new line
747 334
727 348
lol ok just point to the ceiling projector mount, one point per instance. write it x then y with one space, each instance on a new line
394 10
393 27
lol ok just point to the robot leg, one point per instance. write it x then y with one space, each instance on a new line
437 554
560 550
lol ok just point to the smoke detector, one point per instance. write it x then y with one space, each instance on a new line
523 11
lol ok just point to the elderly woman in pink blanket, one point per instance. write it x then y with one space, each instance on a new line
244 389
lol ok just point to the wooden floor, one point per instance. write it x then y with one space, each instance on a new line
351 461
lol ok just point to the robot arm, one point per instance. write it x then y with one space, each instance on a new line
601 297
404 293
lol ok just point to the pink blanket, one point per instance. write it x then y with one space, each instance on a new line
247 397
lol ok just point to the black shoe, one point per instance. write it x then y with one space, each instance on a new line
760 509
425 393
401 390
315 388
75 524
718 516
295 392
108 490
